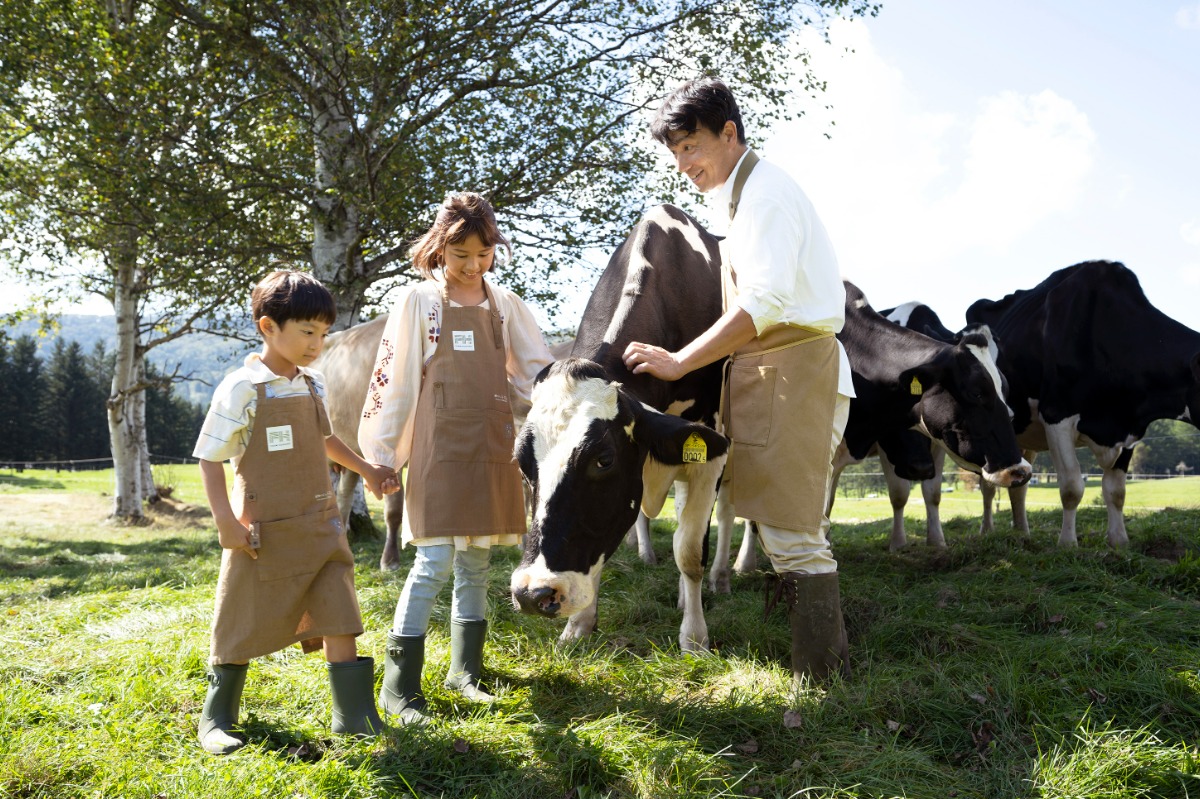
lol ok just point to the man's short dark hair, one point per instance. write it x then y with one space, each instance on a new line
701 103
288 294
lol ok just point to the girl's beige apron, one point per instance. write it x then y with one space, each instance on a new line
462 479
301 587
777 406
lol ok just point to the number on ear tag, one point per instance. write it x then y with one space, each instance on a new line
695 450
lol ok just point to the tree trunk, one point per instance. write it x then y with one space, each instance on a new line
126 427
336 251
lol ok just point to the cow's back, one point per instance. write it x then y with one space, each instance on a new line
346 362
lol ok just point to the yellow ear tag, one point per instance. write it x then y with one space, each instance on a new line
914 387
695 450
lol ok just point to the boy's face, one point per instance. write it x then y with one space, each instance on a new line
705 157
296 342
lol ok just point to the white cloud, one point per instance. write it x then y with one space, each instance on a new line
1189 275
1188 18
1190 232
907 189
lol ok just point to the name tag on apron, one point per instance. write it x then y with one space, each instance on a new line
464 340
279 438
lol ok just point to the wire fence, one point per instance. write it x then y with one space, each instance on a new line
83 464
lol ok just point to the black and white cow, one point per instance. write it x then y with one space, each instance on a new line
1090 362
913 390
600 441
920 317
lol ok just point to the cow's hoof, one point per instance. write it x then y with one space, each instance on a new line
389 565
720 585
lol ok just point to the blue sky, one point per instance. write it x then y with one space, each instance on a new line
980 146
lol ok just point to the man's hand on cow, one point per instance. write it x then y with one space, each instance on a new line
656 361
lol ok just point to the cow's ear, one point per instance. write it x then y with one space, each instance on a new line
672 441
919 379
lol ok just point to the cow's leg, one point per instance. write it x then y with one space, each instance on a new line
1061 439
688 546
1114 461
931 492
583 623
639 536
393 517
747 559
345 481
718 573
899 490
988 491
1016 498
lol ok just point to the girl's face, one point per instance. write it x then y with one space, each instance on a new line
466 261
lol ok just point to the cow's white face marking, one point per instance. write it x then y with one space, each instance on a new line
562 410
635 270
574 590
677 407
860 303
901 313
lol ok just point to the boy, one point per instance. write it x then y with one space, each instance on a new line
287 573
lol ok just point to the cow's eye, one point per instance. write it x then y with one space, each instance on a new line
602 463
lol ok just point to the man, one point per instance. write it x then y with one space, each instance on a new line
788 386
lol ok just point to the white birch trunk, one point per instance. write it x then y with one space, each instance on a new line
125 428
337 257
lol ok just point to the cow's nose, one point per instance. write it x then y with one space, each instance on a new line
542 601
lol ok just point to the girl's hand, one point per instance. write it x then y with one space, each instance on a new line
381 480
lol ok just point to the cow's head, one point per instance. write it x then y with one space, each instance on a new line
582 450
961 407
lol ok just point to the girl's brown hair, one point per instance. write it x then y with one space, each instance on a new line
461 215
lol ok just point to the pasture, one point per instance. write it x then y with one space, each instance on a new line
1000 667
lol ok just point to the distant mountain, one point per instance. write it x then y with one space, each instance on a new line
203 359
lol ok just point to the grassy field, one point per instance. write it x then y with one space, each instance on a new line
1000 667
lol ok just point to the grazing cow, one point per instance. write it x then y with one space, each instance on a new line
920 317
1090 362
346 362
913 390
600 440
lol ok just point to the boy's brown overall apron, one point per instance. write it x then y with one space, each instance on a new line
301 587
462 479
778 403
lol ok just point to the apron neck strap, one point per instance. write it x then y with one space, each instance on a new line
739 181
493 310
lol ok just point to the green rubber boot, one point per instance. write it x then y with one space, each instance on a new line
401 692
466 659
220 714
353 687
819 645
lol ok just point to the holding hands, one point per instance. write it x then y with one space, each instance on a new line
381 480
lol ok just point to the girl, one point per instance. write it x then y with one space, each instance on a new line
443 408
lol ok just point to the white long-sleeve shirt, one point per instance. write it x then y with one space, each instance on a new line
787 272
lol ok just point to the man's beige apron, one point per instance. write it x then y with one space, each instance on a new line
301 587
462 479
777 406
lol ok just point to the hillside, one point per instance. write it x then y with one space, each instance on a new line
203 359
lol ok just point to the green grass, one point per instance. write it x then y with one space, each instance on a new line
1000 667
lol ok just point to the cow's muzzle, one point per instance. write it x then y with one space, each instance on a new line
541 601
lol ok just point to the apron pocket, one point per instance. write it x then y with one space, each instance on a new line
467 435
752 403
300 545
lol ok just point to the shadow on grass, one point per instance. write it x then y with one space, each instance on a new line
31 482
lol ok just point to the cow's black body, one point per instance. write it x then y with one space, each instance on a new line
1090 361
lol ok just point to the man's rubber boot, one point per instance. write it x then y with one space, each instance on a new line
220 714
353 687
466 659
401 692
819 645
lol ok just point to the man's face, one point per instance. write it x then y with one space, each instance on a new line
705 157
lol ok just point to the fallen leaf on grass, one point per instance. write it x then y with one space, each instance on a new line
792 719
461 746
893 726
980 698
747 748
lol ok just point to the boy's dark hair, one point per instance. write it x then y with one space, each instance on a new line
288 294
701 103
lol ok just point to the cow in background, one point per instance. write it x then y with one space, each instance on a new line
1090 362
346 362
600 441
